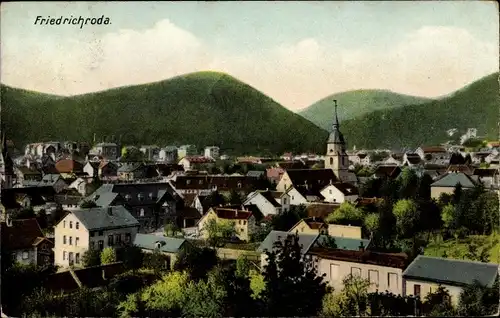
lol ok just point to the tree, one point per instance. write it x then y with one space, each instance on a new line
26 213
235 198
477 300
108 256
328 241
155 261
131 256
91 257
408 183
449 218
457 193
293 287
257 283
438 303
196 261
242 267
168 295
284 221
219 231
351 301
346 214
132 154
372 222
171 229
205 299
407 217
214 199
88 204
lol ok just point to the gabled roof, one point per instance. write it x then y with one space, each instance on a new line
268 195
231 214
387 171
130 167
255 173
451 271
101 218
166 244
21 235
433 149
138 194
452 178
94 164
460 168
317 178
394 260
345 188
305 240
68 165
28 171
312 222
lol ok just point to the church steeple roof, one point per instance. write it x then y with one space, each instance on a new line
335 135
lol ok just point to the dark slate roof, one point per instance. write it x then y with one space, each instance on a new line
317 178
21 235
289 165
136 194
394 260
346 188
189 213
310 194
485 172
167 244
28 171
270 197
68 199
231 214
130 167
345 243
387 171
99 218
223 183
305 240
451 271
451 179
38 195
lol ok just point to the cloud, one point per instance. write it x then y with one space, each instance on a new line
431 61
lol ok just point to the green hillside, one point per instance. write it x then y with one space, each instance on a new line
204 108
474 106
356 103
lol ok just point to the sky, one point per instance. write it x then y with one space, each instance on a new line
295 52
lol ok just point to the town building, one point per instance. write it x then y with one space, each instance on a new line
212 152
186 150
93 228
105 150
269 202
244 221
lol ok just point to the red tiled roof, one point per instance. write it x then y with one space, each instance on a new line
460 168
207 182
21 235
68 166
198 159
232 214
395 260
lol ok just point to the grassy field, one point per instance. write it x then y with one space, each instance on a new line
458 248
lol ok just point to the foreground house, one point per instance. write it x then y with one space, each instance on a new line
244 221
94 228
383 270
489 177
25 241
426 273
168 246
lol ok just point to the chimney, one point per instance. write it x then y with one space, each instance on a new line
110 210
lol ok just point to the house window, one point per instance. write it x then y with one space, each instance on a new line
64 224
70 224
284 201
239 222
416 290
373 277
92 245
140 196
92 233
64 239
110 240
142 212
239 185
76 240
70 240
392 280
101 233
355 271
334 271
188 181
330 191
293 197
77 225
244 222
331 160
127 237
77 258
70 258
241 230
101 244
118 238
64 255
201 182
26 255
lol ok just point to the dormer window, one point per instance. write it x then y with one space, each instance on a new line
128 197
239 184
140 196
188 181
201 181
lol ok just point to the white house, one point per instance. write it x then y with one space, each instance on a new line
339 192
296 198
91 168
433 153
80 185
426 273
383 270
212 152
190 162
94 228
269 202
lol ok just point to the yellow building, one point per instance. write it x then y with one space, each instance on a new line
244 221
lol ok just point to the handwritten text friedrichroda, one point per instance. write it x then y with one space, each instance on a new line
81 21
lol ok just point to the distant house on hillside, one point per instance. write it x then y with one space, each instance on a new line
107 150
412 160
131 171
195 162
432 153
168 154
310 225
186 150
489 177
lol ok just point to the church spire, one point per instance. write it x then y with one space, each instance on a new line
336 122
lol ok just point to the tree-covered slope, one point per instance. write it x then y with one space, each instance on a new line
474 106
356 103
204 108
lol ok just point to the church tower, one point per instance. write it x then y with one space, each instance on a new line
336 157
